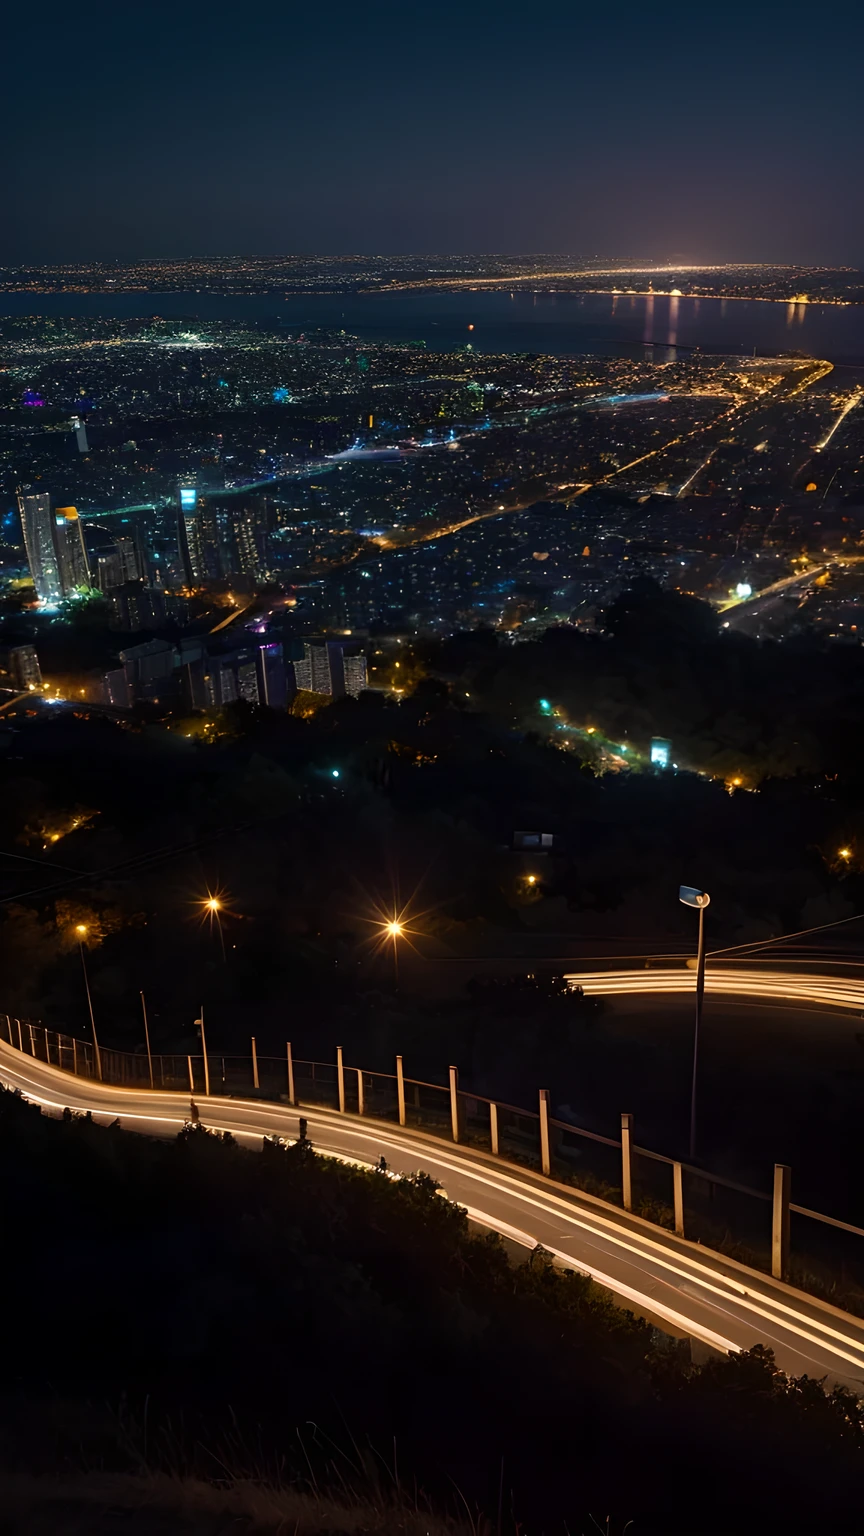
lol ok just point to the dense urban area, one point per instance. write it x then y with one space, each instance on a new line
596 273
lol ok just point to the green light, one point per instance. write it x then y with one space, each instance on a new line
334 773
545 706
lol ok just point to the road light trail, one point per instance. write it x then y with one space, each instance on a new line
854 399
836 992
746 605
686 1288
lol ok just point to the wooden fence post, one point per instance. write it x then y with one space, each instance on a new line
678 1197
454 1102
780 1222
626 1161
545 1148
400 1089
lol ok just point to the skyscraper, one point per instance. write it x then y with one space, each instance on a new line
188 528
220 537
336 667
72 559
19 667
38 529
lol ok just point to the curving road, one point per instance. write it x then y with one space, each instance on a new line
684 1288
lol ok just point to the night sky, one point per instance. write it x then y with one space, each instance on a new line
685 131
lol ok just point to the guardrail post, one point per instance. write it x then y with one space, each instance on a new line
291 1099
255 1082
545 1148
780 1221
626 1165
361 1108
74 1056
340 1076
678 1198
454 1102
400 1089
493 1127
20 1037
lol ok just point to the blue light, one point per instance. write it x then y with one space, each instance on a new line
335 773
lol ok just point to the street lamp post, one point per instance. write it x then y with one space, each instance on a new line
147 1038
692 897
81 930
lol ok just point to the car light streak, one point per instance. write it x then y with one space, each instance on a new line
786 986
600 1238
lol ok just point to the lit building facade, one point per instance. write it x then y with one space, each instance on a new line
38 529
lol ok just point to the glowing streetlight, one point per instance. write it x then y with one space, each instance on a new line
213 907
81 930
394 930
532 879
844 853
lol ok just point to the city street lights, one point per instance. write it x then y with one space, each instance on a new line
214 906
81 930
691 897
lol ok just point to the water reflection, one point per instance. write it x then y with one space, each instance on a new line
672 335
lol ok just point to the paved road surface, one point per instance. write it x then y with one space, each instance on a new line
682 1286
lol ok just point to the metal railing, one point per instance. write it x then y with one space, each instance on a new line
691 1201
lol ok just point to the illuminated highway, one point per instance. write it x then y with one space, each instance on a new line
739 608
854 400
686 1289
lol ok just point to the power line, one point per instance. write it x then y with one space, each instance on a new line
784 938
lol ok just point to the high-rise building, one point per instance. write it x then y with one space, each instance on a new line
150 669
135 606
124 563
80 430
188 530
272 682
38 528
19 667
108 572
129 557
354 670
72 559
220 536
335 667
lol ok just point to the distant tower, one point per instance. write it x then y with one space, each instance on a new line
188 528
38 530
72 559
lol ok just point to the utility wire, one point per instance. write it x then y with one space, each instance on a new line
784 938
